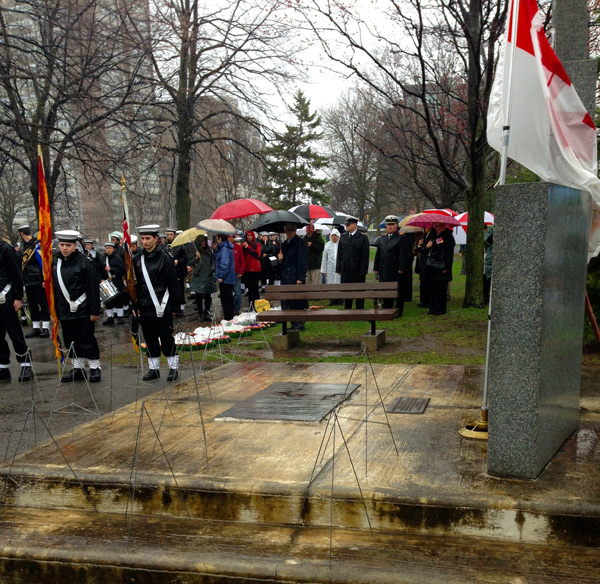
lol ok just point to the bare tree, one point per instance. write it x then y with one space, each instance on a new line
400 62
212 62
65 78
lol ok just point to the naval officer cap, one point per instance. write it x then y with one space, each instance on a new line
351 219
391 219
148 229
68 235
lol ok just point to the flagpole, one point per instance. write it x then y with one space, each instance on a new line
479 429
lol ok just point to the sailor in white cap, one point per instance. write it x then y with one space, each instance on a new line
11 295
33 279
158 298
77 303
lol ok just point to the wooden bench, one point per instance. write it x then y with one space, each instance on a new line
367 291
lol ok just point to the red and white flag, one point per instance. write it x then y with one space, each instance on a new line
551 132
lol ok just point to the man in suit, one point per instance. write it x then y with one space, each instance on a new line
353 258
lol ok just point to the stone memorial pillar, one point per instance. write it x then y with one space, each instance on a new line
538 298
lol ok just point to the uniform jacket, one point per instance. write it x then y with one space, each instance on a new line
117 270
353 256
393 254
161 271
315 251
295 260
179 253
442 250
10 273
225 263
79 277
32 272
267 250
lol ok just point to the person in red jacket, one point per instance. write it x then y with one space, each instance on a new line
240 267
252 272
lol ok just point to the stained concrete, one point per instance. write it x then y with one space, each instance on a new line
295 502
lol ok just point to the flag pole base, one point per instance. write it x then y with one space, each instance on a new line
476 430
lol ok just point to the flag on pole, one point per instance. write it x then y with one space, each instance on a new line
129 273
45 241
550 131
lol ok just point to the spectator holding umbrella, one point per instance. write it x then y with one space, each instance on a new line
252 253
267 251
202 271
240 268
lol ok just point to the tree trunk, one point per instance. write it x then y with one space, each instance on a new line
182 183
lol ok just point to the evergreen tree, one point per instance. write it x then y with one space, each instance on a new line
292 163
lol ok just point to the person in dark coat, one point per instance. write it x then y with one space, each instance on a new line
225 274
293 257
33 279
180 258
316 245
158 297
267 251
252 254
202 270
353 258
11 296
92 254
405 266
438 266
387 260
77 303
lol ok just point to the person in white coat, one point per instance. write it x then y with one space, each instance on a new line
329 259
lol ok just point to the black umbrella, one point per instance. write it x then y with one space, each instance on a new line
275 221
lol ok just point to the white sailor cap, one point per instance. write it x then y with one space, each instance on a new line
134 239
23 227
68 235
148 229
170 229
109 244
116 234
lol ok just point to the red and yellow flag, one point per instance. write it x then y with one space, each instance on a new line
45 237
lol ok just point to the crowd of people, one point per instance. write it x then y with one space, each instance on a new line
235 265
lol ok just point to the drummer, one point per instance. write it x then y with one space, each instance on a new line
114 270
77 302
158 296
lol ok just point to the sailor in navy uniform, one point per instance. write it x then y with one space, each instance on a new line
179 255
77 302
11 296
158 297
33 279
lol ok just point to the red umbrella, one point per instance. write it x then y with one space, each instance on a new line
443 211
312 211
240 208
426 220
488 218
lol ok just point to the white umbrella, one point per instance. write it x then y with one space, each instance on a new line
216 226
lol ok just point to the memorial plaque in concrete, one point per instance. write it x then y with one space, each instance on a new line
408 405
287 401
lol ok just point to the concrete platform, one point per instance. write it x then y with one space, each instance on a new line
150 495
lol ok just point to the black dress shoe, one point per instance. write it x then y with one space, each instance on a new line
4 373
36 332
173 375
152 374
26 373
95 375
73 375
44 333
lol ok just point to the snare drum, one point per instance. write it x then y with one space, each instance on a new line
108 291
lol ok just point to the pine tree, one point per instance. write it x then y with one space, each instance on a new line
293 164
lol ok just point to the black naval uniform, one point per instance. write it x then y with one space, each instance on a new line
387 264
158 329
82 285
116 274
33 279
11 289
179 253
353 261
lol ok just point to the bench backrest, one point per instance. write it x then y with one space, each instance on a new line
332 291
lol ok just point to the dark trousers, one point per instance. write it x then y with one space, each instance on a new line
226 294
9 323
80 332
251 280
405 286
389 303
158 333
360 302
424 292
38 304
200 298
439 290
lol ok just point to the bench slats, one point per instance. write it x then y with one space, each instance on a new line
366 290
328 315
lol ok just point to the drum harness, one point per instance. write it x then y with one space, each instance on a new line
74 305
